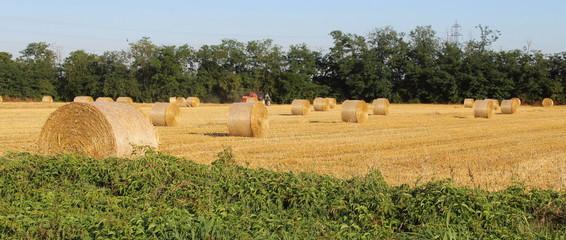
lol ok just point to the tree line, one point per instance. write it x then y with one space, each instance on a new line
414 67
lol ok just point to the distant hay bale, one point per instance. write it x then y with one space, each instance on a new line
173 99
47 99
193 101
355 111
124 100
469 103
248 119
104 99
332 102
181 102
321 104
495 103
300 107
483 109
83 99
516 100
97 129
164 114
380 106
547 102
509 106
249 99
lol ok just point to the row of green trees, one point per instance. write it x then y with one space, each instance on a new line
413 67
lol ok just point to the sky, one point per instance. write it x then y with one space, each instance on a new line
111 25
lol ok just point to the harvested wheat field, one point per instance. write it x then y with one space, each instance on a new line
416 143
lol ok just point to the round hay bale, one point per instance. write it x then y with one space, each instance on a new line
83 99
516 100
173 99
248 119
332 102
483 109
193 101
300 107
181 102
249 99
104 99
164 114
469 103
509 106
47 99
98 129
321 104
547 102
355 111
381 106
495 103
124 100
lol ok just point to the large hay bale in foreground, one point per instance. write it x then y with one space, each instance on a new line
331 102
164 114
248 119
124 100
300 107
47 99
83 99
483 109
517 100
381 106
98 129
193 101
509 106
547 102
469 103
321 104
104 99
355 111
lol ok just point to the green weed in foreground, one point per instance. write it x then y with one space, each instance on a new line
164 197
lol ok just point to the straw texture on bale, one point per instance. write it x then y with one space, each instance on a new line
332 102
124 100
495 103
355 111
483 109
99 130
193 101
547 102
104 99
47 99
164 114
300 107
83 99
248 119
469 103
516 100
321 104
249 99
509 106
173 99
380 106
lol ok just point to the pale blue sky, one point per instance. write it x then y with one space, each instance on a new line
105 25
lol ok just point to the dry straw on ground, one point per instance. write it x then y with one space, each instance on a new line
332 102
380 106
300 107
99 130
469 103
104 99
547 102
483 108
47 99
83 99
355 111
321 104
517 100
193 101
509 106
124 100
164 114
248 119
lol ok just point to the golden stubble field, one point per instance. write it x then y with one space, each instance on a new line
416 143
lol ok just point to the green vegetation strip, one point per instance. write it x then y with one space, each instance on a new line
164 197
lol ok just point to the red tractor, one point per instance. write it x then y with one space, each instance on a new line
257 96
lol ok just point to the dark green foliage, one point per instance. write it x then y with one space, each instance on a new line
163 197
